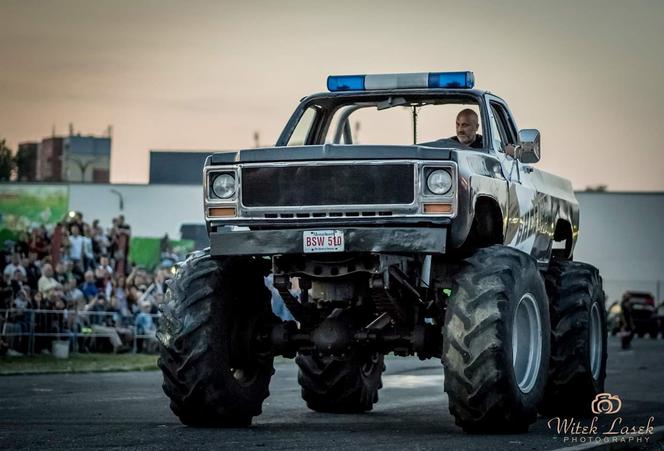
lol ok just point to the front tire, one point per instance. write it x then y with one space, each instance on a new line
578 344
213 372
340 385
496 341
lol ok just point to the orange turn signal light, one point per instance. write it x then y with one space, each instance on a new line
437 209
220 212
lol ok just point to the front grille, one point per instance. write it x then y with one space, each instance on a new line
334 184
331 214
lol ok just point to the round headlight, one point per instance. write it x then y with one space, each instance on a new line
223 186
439 181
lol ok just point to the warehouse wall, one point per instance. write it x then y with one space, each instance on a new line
623 235
151 210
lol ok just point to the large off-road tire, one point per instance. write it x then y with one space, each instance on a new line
340 385
213 372
496 341
578 338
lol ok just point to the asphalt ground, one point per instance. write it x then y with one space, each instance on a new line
129 410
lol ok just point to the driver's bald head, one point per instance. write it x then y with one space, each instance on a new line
468 114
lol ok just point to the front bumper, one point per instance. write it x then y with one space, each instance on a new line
289 241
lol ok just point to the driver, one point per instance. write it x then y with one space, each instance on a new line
467 124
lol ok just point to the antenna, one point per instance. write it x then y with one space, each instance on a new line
414 125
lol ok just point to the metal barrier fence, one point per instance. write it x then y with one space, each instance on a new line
30 329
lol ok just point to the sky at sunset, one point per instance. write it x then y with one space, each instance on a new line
204 75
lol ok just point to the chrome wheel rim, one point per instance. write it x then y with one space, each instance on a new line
596 345
526 342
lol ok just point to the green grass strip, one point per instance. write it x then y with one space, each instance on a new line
77 363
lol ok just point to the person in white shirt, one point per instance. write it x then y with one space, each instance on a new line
76 245
46 282
12 267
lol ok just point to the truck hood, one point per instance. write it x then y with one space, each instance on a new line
334 152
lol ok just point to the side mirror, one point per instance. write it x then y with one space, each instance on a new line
529 143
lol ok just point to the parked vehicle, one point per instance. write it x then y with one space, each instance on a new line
639 312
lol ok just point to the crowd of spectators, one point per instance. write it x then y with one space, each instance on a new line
74 282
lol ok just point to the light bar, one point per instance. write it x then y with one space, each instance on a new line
462 80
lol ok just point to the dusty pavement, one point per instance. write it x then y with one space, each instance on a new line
129 410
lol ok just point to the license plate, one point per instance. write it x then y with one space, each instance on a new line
323 241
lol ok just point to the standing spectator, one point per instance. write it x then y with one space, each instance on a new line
99 239
33 273
121 236
38 243
22 244
76 246
56 243
88 255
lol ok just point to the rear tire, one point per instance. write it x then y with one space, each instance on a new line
213 373
336 385
493 380
578 338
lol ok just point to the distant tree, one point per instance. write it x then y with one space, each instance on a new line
7 162
596 188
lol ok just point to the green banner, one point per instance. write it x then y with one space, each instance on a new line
23 207
146 251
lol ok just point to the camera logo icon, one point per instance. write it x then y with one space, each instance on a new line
606 404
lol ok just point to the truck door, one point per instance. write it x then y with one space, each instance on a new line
523 222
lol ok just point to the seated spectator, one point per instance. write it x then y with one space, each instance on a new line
101 323
89 286
103 281
61 274
96 306
13 266
74 272
145 326
73 293
118 320
47 282
105 264
18 283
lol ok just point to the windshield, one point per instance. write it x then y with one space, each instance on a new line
391 120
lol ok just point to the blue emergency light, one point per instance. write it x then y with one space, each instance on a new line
463 80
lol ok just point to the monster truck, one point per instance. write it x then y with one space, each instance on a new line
400 240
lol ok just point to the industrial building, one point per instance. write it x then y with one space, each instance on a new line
72 158
189 167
